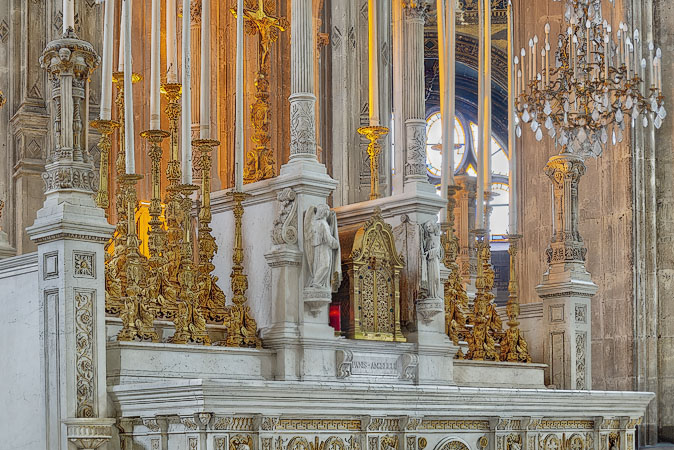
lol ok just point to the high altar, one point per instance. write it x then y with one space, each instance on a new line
178 315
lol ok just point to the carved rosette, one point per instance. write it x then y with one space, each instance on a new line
565 171
69 62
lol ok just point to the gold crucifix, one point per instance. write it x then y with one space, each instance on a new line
260 163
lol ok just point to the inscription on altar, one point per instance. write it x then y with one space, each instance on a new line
368 365
350 363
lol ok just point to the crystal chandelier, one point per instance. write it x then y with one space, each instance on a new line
595 85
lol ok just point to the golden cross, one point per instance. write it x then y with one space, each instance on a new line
266 26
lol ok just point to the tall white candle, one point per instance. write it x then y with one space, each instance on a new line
155 61
512 164
171 43
106 69
122 37
68 14
373 62
205 97
187 97
446 40
128 92
238 136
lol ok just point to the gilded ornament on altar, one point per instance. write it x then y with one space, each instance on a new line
241 326
514 347
374 265
260 161
374 134
485 320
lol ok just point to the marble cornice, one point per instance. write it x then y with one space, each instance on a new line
11 267
273 397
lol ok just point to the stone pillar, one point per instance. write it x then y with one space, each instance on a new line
302 98
299 326
567 287
70 232
414 95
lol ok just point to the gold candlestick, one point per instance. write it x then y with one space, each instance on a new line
456 298
173 92
373 134
481 342
105 127
156 234
241 327
137 312
211 297
189 321
514 347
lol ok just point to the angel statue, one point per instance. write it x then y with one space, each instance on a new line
321 247
431 259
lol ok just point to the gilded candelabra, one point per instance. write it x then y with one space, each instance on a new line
456 298
106 128
485 320
3 99
211 297
594 85
137 311
374 134
189 321
514 347
156 234
241 326
260 162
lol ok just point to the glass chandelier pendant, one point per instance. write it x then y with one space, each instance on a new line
595 84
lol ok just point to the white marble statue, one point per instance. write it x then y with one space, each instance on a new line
431 259
321 247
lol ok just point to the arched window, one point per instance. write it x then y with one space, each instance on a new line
465 157
434 145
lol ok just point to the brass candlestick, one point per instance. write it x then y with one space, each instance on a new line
373 134
156 234
211 297
173 92
514 347
105 127
260 162
481 343
241 327
137 312
456 298
189 321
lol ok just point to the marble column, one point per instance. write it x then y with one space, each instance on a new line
414 93
567 288
302 98
70 232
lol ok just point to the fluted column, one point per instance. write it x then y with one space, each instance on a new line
414 100
302 98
